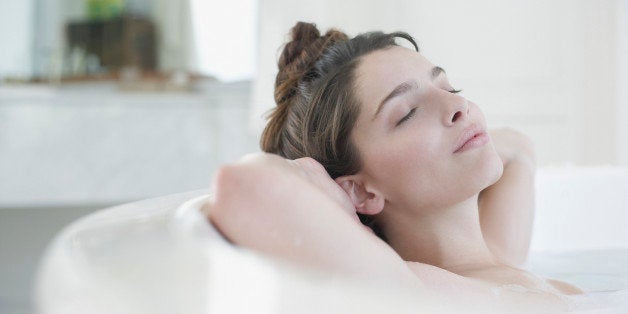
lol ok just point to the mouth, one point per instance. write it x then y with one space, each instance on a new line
472 137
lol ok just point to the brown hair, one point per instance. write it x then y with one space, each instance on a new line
314 91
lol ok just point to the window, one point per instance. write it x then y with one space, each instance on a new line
225 36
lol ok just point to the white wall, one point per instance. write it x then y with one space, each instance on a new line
16 36
225 37
547 68
622 83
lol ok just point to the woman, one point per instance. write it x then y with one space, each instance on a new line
407 154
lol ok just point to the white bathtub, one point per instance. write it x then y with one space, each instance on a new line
581 209
160 256
580 231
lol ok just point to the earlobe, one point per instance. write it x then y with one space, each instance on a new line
374 204
366 201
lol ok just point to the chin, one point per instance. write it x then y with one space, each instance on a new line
488 170
485 173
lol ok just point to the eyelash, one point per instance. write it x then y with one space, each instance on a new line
408 116
413 110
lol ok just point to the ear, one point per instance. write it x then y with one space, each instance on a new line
365 199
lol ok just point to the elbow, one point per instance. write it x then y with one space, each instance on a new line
517 259
526 151
225 208
241 199
511 255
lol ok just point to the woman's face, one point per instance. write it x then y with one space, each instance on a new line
410 130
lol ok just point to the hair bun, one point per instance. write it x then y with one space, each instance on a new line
299 56
301 36
296 64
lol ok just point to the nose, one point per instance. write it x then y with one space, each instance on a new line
456 110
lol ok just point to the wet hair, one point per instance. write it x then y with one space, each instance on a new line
315 97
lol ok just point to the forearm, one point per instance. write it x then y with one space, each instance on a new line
509 226
284 216
507 207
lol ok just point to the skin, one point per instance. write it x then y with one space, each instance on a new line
308 220
434 203
274 221
420 190
456 222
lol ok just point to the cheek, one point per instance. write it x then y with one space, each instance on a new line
420 148
405 161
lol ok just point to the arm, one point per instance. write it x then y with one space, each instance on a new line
507 207
295 211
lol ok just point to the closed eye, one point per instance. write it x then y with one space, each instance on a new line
455 91
408 116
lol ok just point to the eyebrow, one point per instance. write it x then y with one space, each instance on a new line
406 87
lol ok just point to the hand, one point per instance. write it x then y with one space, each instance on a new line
303 176
313 172
293 210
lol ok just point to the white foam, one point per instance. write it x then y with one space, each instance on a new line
600 302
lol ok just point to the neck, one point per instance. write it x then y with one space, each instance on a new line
449 238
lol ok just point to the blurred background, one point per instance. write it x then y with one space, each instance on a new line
104 102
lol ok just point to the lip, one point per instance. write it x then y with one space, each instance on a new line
473 136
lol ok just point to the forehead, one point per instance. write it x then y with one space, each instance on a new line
379 72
